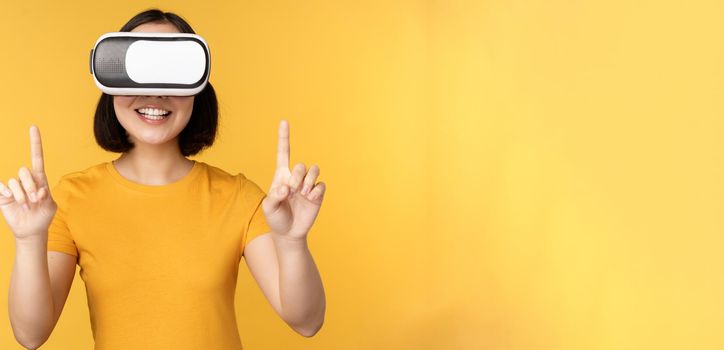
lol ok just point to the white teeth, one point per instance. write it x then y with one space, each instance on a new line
153 111
153 117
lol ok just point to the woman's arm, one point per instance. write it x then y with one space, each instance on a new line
40 279
287 275
30 301
39 287
280 260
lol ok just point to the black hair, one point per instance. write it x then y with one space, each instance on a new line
200 131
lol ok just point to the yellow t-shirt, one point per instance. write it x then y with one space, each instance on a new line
159 263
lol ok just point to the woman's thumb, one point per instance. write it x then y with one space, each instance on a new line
276 196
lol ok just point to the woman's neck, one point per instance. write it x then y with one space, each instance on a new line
153 164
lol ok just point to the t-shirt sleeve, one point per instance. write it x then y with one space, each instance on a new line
59 237
256 224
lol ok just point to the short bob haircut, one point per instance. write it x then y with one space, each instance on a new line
200 131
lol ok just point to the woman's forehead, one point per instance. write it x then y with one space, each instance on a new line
156 27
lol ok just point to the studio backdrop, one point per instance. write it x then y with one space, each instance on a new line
528 175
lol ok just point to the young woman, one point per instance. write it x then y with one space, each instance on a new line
158 236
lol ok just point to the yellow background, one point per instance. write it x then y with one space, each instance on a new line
501 174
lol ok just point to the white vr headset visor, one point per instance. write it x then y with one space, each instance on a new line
150 64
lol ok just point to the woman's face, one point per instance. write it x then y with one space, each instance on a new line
139 115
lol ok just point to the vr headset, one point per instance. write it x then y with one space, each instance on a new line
150 64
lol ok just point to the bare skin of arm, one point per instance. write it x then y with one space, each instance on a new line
40 280
280 260
287 275
39 287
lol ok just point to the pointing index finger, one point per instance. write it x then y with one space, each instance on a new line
283 146
36 149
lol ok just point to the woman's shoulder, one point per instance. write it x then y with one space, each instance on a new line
91 176
77 183
78 177
221 176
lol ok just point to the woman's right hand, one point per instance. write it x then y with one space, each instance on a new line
27 205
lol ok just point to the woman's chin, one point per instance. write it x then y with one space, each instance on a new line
152 140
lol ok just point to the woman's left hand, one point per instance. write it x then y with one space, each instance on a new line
295 196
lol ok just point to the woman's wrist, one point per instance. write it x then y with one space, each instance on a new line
35 242
291 242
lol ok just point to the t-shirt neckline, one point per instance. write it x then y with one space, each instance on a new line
176 185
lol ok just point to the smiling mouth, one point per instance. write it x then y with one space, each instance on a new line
153 113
